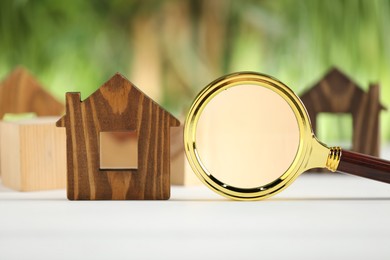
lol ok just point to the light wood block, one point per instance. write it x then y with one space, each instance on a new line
21 92
181 172
33 154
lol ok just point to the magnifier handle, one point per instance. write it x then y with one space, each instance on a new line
364 166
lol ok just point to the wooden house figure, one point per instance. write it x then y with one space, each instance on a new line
20 92
337 93
30 150
118 144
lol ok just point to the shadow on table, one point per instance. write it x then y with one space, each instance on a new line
202 200
297 199
331 199
31 199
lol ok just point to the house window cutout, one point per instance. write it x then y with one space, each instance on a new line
118 150
335 129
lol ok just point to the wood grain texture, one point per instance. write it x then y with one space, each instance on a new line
117 106
33 154
20 92
364 166
337 93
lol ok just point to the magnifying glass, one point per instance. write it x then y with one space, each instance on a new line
247 136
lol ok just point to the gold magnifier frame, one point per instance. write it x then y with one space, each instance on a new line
310 152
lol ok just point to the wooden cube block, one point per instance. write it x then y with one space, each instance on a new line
33 154
181 171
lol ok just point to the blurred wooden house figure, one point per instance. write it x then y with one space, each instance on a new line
118 144
32 151
337 93
20 93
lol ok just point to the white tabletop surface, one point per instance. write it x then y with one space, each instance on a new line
321 216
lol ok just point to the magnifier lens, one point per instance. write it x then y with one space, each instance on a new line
247 136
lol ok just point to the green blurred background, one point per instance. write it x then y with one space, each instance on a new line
172 49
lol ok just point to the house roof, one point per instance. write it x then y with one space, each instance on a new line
20 92
119 80
337 83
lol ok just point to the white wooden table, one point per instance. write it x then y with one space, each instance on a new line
318 217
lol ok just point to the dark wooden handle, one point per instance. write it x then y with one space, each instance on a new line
364 166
